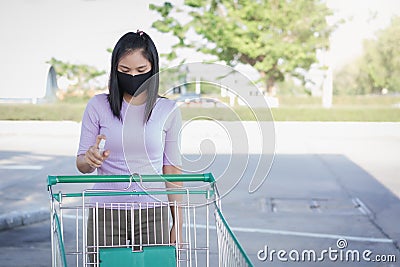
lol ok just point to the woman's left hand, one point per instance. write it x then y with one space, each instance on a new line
172 235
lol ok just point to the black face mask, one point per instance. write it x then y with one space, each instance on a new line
130 84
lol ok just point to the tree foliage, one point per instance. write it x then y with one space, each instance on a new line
81 74
377 68
276 37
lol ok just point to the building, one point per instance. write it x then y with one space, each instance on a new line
32 83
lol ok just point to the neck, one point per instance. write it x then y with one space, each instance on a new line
136 100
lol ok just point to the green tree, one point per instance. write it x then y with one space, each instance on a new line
276 37
82 73
377 68
346 79
381 62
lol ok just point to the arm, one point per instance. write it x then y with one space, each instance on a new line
89 158
92 159
171 162
82 164
176 213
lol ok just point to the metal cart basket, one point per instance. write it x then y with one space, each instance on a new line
132 233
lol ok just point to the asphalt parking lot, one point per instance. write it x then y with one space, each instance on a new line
330 184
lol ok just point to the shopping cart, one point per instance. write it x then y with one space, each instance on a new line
124 233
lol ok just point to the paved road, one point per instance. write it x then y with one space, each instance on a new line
329 181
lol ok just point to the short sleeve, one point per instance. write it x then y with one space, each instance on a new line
90 127
172 153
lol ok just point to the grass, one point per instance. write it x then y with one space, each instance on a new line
340 101
378 114
296 114
346 108
50 112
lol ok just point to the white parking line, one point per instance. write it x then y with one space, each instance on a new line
21 167
305 234
315 235
289 233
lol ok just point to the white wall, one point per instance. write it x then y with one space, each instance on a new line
26 81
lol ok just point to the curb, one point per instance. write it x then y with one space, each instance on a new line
19 218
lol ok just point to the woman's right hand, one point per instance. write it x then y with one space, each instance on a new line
93 157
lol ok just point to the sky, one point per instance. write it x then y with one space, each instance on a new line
80 31
363 19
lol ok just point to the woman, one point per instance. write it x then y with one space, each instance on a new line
141 131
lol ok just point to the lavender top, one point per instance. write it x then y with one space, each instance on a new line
135 146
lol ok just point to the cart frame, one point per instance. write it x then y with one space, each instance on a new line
230 252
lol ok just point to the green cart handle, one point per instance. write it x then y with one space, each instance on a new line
205 177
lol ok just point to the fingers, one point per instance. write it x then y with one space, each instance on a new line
106 154
96 146
98 139
172 237
93 156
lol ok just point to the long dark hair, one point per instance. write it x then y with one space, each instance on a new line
128 43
